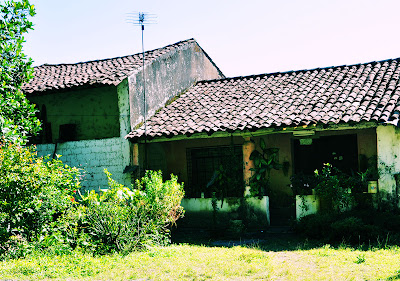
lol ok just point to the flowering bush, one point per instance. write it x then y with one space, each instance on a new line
34 192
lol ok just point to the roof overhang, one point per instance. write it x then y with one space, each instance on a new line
297 131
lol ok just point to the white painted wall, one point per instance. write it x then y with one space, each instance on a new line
388 147
93 156
204 205
306 205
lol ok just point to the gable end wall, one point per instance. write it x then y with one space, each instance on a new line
167 77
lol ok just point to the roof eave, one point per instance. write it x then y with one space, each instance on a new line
260 132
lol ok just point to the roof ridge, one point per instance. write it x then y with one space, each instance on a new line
295 71
120 57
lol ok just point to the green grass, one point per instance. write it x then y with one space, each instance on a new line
185 262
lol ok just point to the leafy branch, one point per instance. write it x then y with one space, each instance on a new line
264 161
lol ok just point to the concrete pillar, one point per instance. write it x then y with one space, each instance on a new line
123 107
248 147
124 126
388 148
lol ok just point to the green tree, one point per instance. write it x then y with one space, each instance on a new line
17 115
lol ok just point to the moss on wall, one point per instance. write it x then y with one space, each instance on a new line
166 77
94 111
175 153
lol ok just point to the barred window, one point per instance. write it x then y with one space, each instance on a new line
203 163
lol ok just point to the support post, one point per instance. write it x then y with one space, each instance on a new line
388 148
135 154
248 147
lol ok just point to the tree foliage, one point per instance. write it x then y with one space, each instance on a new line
34 193
17 115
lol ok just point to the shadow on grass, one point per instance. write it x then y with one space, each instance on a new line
262 240
267 241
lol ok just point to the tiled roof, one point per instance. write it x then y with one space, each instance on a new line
99 72
333 95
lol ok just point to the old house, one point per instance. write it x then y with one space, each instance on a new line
341 115
88 108
204 127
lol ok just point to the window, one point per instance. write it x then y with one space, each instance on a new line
203 164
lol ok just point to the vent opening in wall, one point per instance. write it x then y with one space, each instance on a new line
67 132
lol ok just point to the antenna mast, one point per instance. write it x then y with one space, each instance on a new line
142 19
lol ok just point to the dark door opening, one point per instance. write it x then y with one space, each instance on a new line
340 151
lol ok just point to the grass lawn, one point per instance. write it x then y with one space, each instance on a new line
193 262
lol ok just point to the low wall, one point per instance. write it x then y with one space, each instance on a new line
93 156
311 204
199 212
306 205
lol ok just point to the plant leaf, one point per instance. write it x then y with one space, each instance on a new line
254 154
262 144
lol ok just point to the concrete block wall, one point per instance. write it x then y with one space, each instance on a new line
93 156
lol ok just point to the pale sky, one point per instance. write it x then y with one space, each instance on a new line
242 37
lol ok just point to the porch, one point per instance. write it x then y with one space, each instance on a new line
198 161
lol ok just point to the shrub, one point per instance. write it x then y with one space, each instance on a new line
315 226
356 226
302 184
336 189
122 219
353 230
34 193
332 188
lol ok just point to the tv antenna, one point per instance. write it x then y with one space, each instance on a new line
141 19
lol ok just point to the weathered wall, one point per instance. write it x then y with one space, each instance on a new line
388 139
93 156
306 205
94 111
124 108
279 182
366 142
125 128
167 77
199 212
170 157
